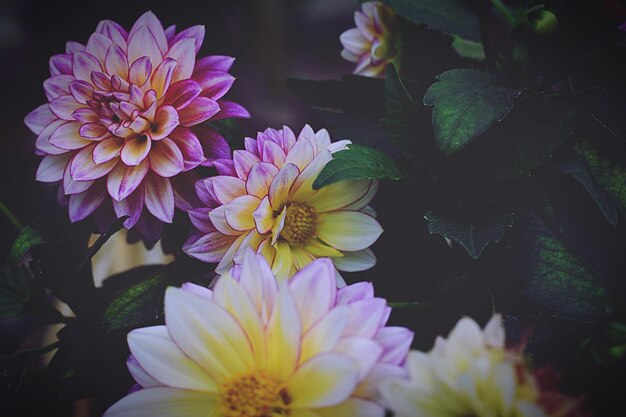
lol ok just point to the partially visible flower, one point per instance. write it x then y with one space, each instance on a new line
373 43
623 26
123 120
257 347
264 199
472 374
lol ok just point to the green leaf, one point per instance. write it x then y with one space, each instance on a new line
358 163
468 49
555 277
28 238
467 102
607 172
580 172
449 16
14 291
138 304
473 237
399 115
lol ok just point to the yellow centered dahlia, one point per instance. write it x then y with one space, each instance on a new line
258 347
372 43
264 199
471 374
123 120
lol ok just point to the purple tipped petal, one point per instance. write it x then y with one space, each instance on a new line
159 197
181 93
98 45
143 44
72 47
83 168
52 167
64 106
43 140
204 191
213 144
396 342
225 167
231 109
83 204
107 149
198 111
200 220
39 118
208 248
83 64
140 70
190 147
185 197
82 91
67 136
123 180
92 130
58 85
135 150
131 206
184 53
214 83
74 187
165 121
61 64
214 63
195 32
150 229
163 76
116 62
166 159
169 33
156 29
113 31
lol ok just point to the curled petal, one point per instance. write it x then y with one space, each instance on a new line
181 93
83 167
260 178
159 197
123 180
213 143
231 109
39 118
135 150
190 147
92 130
140 70
244 161
116 62
83 204
184 53
163 76
165 121
198 111
131 206
166 159
73 187
82 91
61 64
83 64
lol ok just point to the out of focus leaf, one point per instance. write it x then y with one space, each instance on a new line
14 291
473 237
27 239
449 16
468 49
466 103
359 163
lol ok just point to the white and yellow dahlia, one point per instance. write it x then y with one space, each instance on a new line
255 346
471 373
264 199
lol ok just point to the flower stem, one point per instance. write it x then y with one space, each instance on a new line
10 216
504 11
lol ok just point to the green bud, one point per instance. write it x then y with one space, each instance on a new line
543 22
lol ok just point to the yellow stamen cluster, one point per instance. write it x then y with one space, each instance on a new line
253 395
300 224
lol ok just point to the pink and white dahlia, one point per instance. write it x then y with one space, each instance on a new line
255 346
123 119
372 44
264 199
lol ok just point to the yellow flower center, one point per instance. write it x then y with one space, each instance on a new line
253 395
300 224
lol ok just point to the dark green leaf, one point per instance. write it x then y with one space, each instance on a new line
138 304
468 49
473 237
449 16
27 239
554 276
358 163
607 172
14 291
466 102
399 115
580 172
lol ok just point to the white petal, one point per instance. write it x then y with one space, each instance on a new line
164 402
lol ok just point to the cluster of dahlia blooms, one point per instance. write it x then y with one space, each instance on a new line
471 373
122 122
372 44
264 199
255 346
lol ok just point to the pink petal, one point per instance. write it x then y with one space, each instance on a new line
231 109
214 63
200 220
57 85
181 93
198 111
101 80
165 121
355 292
131 206
162 76
225 167
190 147
83 168
142 43
74 187
170 32
140 70
282 182
159 197
210 247
107 149
166 159
213 143
67 136
82 91
64 106
185 197
114 32
156 28
354 41
260 177
98 45
195 32
83 204
243 161
184 53
52 167
72 47
228 188
61 64
43 140
273 153
83 64
85 116
396 342
116 62
39 118
92 130
124 180
135 150
214 83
